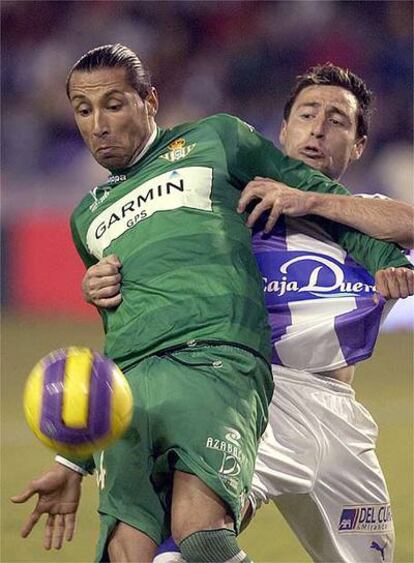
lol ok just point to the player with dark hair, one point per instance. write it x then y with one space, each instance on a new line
191 331
317 458
115 56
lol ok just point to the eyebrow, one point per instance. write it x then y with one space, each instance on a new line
332 109
106 95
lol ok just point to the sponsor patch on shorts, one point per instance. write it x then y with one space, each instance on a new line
366 518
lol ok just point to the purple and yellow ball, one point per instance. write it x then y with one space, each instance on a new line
77 401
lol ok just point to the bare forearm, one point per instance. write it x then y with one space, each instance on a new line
387 220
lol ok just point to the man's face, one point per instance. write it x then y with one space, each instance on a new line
114 121
321 129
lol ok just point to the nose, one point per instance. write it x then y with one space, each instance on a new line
100 124
318 127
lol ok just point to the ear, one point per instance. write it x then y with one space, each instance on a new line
283 133
151 102
358 148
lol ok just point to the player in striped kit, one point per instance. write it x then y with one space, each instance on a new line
317 459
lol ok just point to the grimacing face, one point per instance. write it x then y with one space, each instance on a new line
114 121
321 129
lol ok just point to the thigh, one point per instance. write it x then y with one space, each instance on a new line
124 475
347 515
213 411
290 449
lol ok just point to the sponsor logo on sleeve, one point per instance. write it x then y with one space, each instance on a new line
366 519
188 187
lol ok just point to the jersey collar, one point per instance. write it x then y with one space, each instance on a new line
120 174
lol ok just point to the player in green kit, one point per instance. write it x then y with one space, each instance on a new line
191 332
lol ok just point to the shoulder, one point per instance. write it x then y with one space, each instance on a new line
90 201
225 120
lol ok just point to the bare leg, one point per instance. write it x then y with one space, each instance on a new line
195 507
129 545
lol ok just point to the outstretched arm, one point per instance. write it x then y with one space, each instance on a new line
384 219
58 493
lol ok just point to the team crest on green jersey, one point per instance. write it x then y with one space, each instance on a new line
178 150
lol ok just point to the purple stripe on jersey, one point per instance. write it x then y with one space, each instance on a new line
308 281
276 240
357 331
265 248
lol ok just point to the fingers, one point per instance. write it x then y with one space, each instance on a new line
395 283
253 190
70 521
273 217
260 208
59 531
273 195
56 527
47 540
101 285
108 303
30 523
24 496
107 286
111 259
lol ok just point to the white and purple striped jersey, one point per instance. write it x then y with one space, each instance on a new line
321 303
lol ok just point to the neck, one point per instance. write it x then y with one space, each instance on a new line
145 145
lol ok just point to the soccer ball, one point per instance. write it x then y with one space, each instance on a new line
77 401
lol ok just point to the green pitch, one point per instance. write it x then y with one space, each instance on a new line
384 385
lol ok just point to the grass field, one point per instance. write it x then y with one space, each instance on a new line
384 385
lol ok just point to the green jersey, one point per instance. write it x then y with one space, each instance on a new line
188 270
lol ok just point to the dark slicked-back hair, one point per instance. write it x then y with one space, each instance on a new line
115 56
331 75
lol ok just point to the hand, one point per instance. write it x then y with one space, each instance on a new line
58 493
395 283
102 283
275 196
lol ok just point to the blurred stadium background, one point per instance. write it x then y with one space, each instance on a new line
205 57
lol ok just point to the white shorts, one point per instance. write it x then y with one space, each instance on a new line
317 461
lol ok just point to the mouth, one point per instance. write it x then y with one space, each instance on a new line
105 149
314 153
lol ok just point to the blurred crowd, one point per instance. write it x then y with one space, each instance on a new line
205 57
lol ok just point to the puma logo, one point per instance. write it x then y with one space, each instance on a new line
375 545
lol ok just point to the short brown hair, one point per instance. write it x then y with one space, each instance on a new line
332 75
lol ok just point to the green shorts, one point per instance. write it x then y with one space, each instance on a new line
200 410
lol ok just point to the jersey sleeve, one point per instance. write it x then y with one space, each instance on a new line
87 258
250 154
